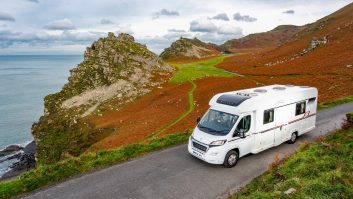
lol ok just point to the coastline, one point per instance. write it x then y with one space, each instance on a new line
16 159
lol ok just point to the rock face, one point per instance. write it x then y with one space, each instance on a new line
185 49
22 159
114 72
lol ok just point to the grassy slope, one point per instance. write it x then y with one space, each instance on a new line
199 69
319 170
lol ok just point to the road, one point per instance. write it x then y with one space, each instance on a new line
173 173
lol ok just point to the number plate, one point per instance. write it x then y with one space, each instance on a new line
197 154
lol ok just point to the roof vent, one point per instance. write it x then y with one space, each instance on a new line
280 88
260 90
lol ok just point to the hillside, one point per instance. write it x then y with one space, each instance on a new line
321 55
189 49
115 71
268 39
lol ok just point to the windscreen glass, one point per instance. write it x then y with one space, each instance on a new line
217 122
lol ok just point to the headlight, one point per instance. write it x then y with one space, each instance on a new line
218 142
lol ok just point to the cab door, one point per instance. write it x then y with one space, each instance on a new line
245 124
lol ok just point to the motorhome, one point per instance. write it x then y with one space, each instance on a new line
252 120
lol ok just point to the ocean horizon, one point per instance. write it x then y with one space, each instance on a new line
24 82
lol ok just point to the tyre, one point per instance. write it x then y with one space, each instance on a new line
293 138
231 159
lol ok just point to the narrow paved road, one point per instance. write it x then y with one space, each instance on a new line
173 173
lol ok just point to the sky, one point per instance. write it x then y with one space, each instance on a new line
68 26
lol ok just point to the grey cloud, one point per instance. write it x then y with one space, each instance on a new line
62 24
221 16
289 12
202 26
176 30
106 22
6 17
34 1
246 18
165 12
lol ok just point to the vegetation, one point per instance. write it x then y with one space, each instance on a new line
53 173
319 170
199 69
180 117
335 102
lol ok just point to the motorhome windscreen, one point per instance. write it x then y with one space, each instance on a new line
231 99
217 122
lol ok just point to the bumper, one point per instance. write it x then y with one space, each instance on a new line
214 155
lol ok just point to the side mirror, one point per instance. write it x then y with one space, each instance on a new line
239 132
198 120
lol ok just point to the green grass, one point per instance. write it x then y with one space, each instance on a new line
48 174
199 69
180 117
335 102
319 170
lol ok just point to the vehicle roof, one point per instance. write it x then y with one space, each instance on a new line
264 97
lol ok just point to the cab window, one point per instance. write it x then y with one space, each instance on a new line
244 124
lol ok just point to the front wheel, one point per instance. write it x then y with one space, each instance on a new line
293 138
231 159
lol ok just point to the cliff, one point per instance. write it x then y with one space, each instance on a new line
114 72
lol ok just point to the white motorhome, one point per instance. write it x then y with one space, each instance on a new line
252 120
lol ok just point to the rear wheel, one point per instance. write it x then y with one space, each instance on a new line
231 159
293 138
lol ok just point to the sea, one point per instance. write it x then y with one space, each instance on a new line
24 81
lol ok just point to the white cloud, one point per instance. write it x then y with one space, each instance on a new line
202 26
61 24
229 30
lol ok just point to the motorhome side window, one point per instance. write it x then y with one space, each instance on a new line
300 108
268 116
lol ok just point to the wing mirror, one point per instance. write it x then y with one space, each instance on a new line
240 132
198 120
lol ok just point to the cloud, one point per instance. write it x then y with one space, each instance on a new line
221 16
67 37
229 30
246 18
289 12
61 24
176 30
165 12
106 22
174 34
6 17
34 1
202 26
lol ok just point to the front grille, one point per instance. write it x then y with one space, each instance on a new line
199 146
